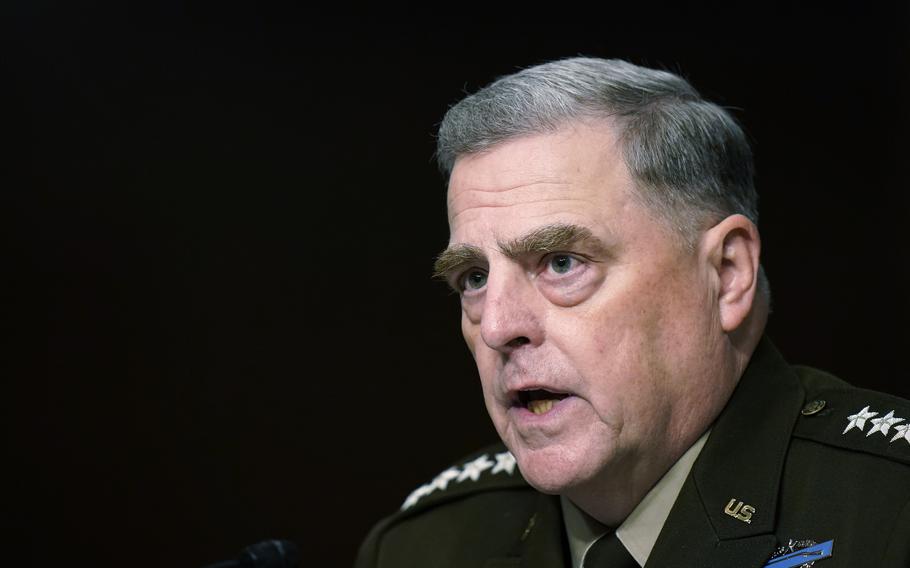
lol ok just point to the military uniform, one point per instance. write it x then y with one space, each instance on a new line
796 455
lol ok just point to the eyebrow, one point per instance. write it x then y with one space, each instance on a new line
542 240
550 238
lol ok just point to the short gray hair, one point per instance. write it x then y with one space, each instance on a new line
689 158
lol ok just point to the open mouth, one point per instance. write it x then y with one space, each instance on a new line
539 401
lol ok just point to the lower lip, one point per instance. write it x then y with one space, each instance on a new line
559 409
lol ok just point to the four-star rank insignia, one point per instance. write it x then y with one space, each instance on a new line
501 463
800 553
882 425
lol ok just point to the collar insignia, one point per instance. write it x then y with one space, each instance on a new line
739 511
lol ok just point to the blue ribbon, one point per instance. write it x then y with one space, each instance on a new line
803 555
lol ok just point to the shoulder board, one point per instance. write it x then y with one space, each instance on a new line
492 468
838 414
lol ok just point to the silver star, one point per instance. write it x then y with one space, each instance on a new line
884 423
858 420
442 480
473 469
504 462
903 431
416 495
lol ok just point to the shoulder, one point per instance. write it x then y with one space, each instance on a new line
489 469
476 500
839 415
847 472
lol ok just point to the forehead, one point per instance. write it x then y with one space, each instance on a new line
574 175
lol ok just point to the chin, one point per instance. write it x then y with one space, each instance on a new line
549 470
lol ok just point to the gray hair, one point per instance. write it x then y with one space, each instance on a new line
689 158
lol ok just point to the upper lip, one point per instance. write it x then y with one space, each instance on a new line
517 395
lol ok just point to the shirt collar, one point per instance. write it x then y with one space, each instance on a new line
640 530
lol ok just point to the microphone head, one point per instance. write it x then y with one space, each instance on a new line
271 554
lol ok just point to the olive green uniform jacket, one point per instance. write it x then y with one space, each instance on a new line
810 471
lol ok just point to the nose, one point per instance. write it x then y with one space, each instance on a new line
510 317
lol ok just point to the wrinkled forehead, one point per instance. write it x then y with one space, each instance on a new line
574 169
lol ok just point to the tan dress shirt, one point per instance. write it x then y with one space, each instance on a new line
639 531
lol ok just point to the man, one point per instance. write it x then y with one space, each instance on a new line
605 249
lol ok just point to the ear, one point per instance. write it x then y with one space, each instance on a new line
732 249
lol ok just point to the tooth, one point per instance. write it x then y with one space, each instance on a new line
540 406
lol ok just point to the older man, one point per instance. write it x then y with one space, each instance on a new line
605 249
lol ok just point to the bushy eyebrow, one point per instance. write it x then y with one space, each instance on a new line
456 257
543 240
551 238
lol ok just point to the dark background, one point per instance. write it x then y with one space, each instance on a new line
220 224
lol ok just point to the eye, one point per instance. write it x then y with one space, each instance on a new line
473 279
562 263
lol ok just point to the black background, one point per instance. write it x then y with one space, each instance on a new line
220 225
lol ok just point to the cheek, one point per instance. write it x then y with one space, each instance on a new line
488 370
471 310
486 359
470 332
488 363
619 346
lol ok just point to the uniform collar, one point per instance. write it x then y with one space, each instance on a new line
640 530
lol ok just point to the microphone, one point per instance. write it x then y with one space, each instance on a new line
265 554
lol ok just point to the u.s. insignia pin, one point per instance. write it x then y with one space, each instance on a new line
801 553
